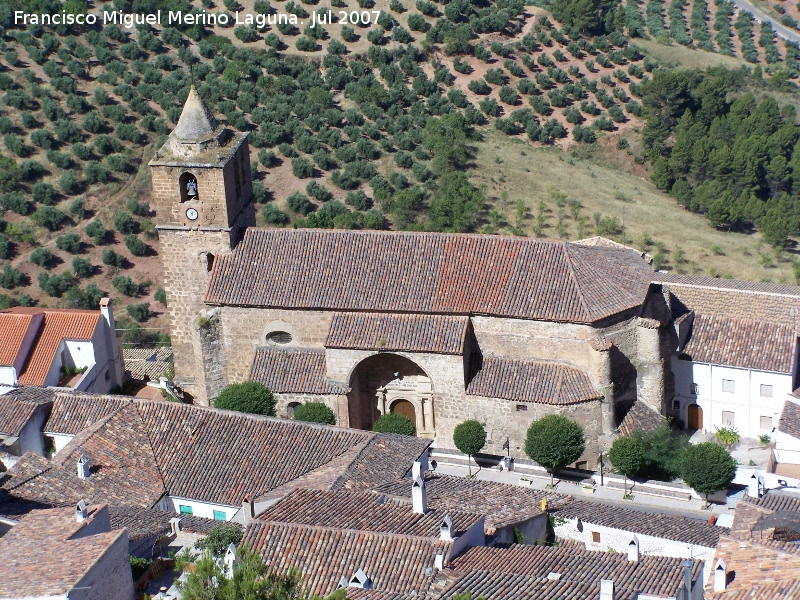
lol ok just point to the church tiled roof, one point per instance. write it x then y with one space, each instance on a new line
532 381
744 343
294 370
405 333
429 273
637 417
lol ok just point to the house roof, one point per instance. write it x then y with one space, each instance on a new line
147 363
502 504
776 590
75 411
363 511
655 575
323 555
15 412
294 370
13 330
491 585
532 381
147 522
140 449
46 555
58 325
744 343
404 333
639 417
432 273
790 419
769 302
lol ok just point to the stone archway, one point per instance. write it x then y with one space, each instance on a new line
385 383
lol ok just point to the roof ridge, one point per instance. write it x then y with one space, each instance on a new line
573 275
426 538
152 448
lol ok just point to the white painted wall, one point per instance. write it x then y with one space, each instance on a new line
745 402
60 440
8 376
201 509
618 540
81 353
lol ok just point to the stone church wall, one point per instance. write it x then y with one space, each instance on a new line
543 340
330 400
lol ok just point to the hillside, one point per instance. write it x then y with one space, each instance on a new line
441 121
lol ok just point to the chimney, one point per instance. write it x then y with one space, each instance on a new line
230 561
175 525
419 498
108 315
754 486
720 576
446 529
358 580
83 467
633 549
606 589
81 512
687 577
416 470
248 510
438 562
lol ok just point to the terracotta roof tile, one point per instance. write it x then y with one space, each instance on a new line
45 555
385 458
298 370
741 343
405 333
532 381
13 330
491 585
58 325
362 511
790 419
147 363
429 273
147 522
394 563
637 416
74 411
15 413
776 590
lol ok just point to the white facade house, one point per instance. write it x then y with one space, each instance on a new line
732 373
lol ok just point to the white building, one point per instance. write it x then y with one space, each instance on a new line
732 372
49 347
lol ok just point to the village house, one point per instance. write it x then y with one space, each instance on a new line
23 412
66 553
49 347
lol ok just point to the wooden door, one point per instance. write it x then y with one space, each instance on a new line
695 417
405 408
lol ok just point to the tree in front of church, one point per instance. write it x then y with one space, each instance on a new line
707 468
394 423
248 397
554 441
627 454
469 437
315 412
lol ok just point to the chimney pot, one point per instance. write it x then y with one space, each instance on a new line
606 589
446 529
248 510
720 577
81 512
633 549
419 498
83 467
175 525
416 470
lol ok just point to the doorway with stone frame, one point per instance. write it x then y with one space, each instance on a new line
389 383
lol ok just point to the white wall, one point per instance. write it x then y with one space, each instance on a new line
8 376
745 402
60 440
81 353
618 540
201 509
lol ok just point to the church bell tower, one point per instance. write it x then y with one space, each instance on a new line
203 197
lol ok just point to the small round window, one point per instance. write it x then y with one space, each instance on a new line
279 337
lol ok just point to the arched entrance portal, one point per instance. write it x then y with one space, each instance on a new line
694 417
386 383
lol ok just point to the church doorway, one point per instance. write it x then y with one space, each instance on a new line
694 416
385 383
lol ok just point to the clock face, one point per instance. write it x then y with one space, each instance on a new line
192 214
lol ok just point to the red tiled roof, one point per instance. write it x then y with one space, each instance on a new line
14 413
45 555
384 459
776 590
491 585
58 325
532 381
790 419
404 333
363 511
744 343
639 417
74 411
429 273
654 575
394 563
298 370
13 329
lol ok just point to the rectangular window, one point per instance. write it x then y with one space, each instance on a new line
765 423
219 515
695 389
766 391
522 407
676 405
185 510
727 418
728 385
596 537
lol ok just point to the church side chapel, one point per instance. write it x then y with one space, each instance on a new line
437 327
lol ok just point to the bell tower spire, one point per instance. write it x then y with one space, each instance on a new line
203 196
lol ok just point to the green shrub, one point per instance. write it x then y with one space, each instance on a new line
249 397
96 231
273 215
314 412
49 217
125 285
125 223
727 436
160 296
139 312
42 257
394 423
10 277
299 203
135 246
82 267
69 242
220 537
112 259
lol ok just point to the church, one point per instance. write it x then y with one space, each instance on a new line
438 327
